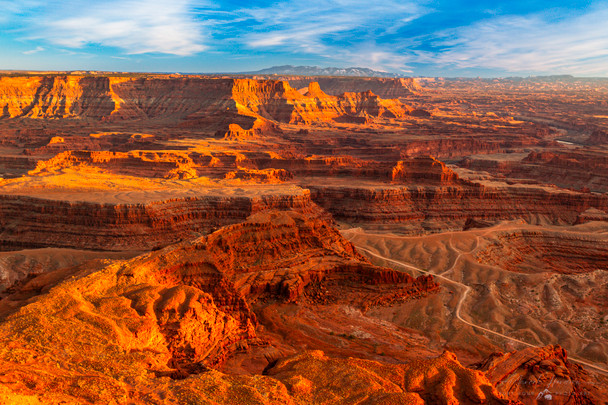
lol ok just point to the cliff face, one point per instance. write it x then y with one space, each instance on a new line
575 169
543 374
55 97
383 87
277 100
440 207
422 193
423 169
178 311
571 253
34 222
179 99
244 283
171 98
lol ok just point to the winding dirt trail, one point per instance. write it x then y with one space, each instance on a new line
466 289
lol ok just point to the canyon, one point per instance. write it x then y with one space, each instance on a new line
169 239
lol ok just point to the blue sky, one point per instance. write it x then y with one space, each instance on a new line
435 38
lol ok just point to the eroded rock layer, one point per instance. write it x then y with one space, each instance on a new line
28 222
384 87
168 239
539 376
198 99
450 206
79 333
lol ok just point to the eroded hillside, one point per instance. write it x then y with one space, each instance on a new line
192 239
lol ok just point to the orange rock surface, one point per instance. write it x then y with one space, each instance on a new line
172 239
113 331
536 375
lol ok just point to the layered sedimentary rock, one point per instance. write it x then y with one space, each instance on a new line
163 164
279 101
47 97
35 222
422 169
142 164
547 250
427 207
421 193
598 137
592 214
433 197
577 169
467 144
259 128
15 166
437 380
123 162
384 87
177 99
164 316
540 375
18 265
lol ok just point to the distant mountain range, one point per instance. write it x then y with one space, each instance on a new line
319 71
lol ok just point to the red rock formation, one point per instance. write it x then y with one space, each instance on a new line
142 164
592 214
576 169
263 176
281 269
258 129
434 208
34 222
176 312
55 97
422 169
120 98
278 101
598 137
171 98
316 378
540 375
547 250
384 87
16 166
189 154
466 144
418 112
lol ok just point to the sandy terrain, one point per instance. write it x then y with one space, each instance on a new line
524 304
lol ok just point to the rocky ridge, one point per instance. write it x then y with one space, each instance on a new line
241 101
141 226
176 312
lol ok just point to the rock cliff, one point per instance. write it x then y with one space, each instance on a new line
576 169
432 208
49 97
35 222
169 316
384 87
190 99
540 375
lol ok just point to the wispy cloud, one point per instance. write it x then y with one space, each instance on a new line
135 26
575 44
33 51
344 30
389 35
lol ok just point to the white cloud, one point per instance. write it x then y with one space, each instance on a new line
136 26
340 32
33 51
373 56
576 44
343 30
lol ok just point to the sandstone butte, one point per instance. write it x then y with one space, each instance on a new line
175 240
